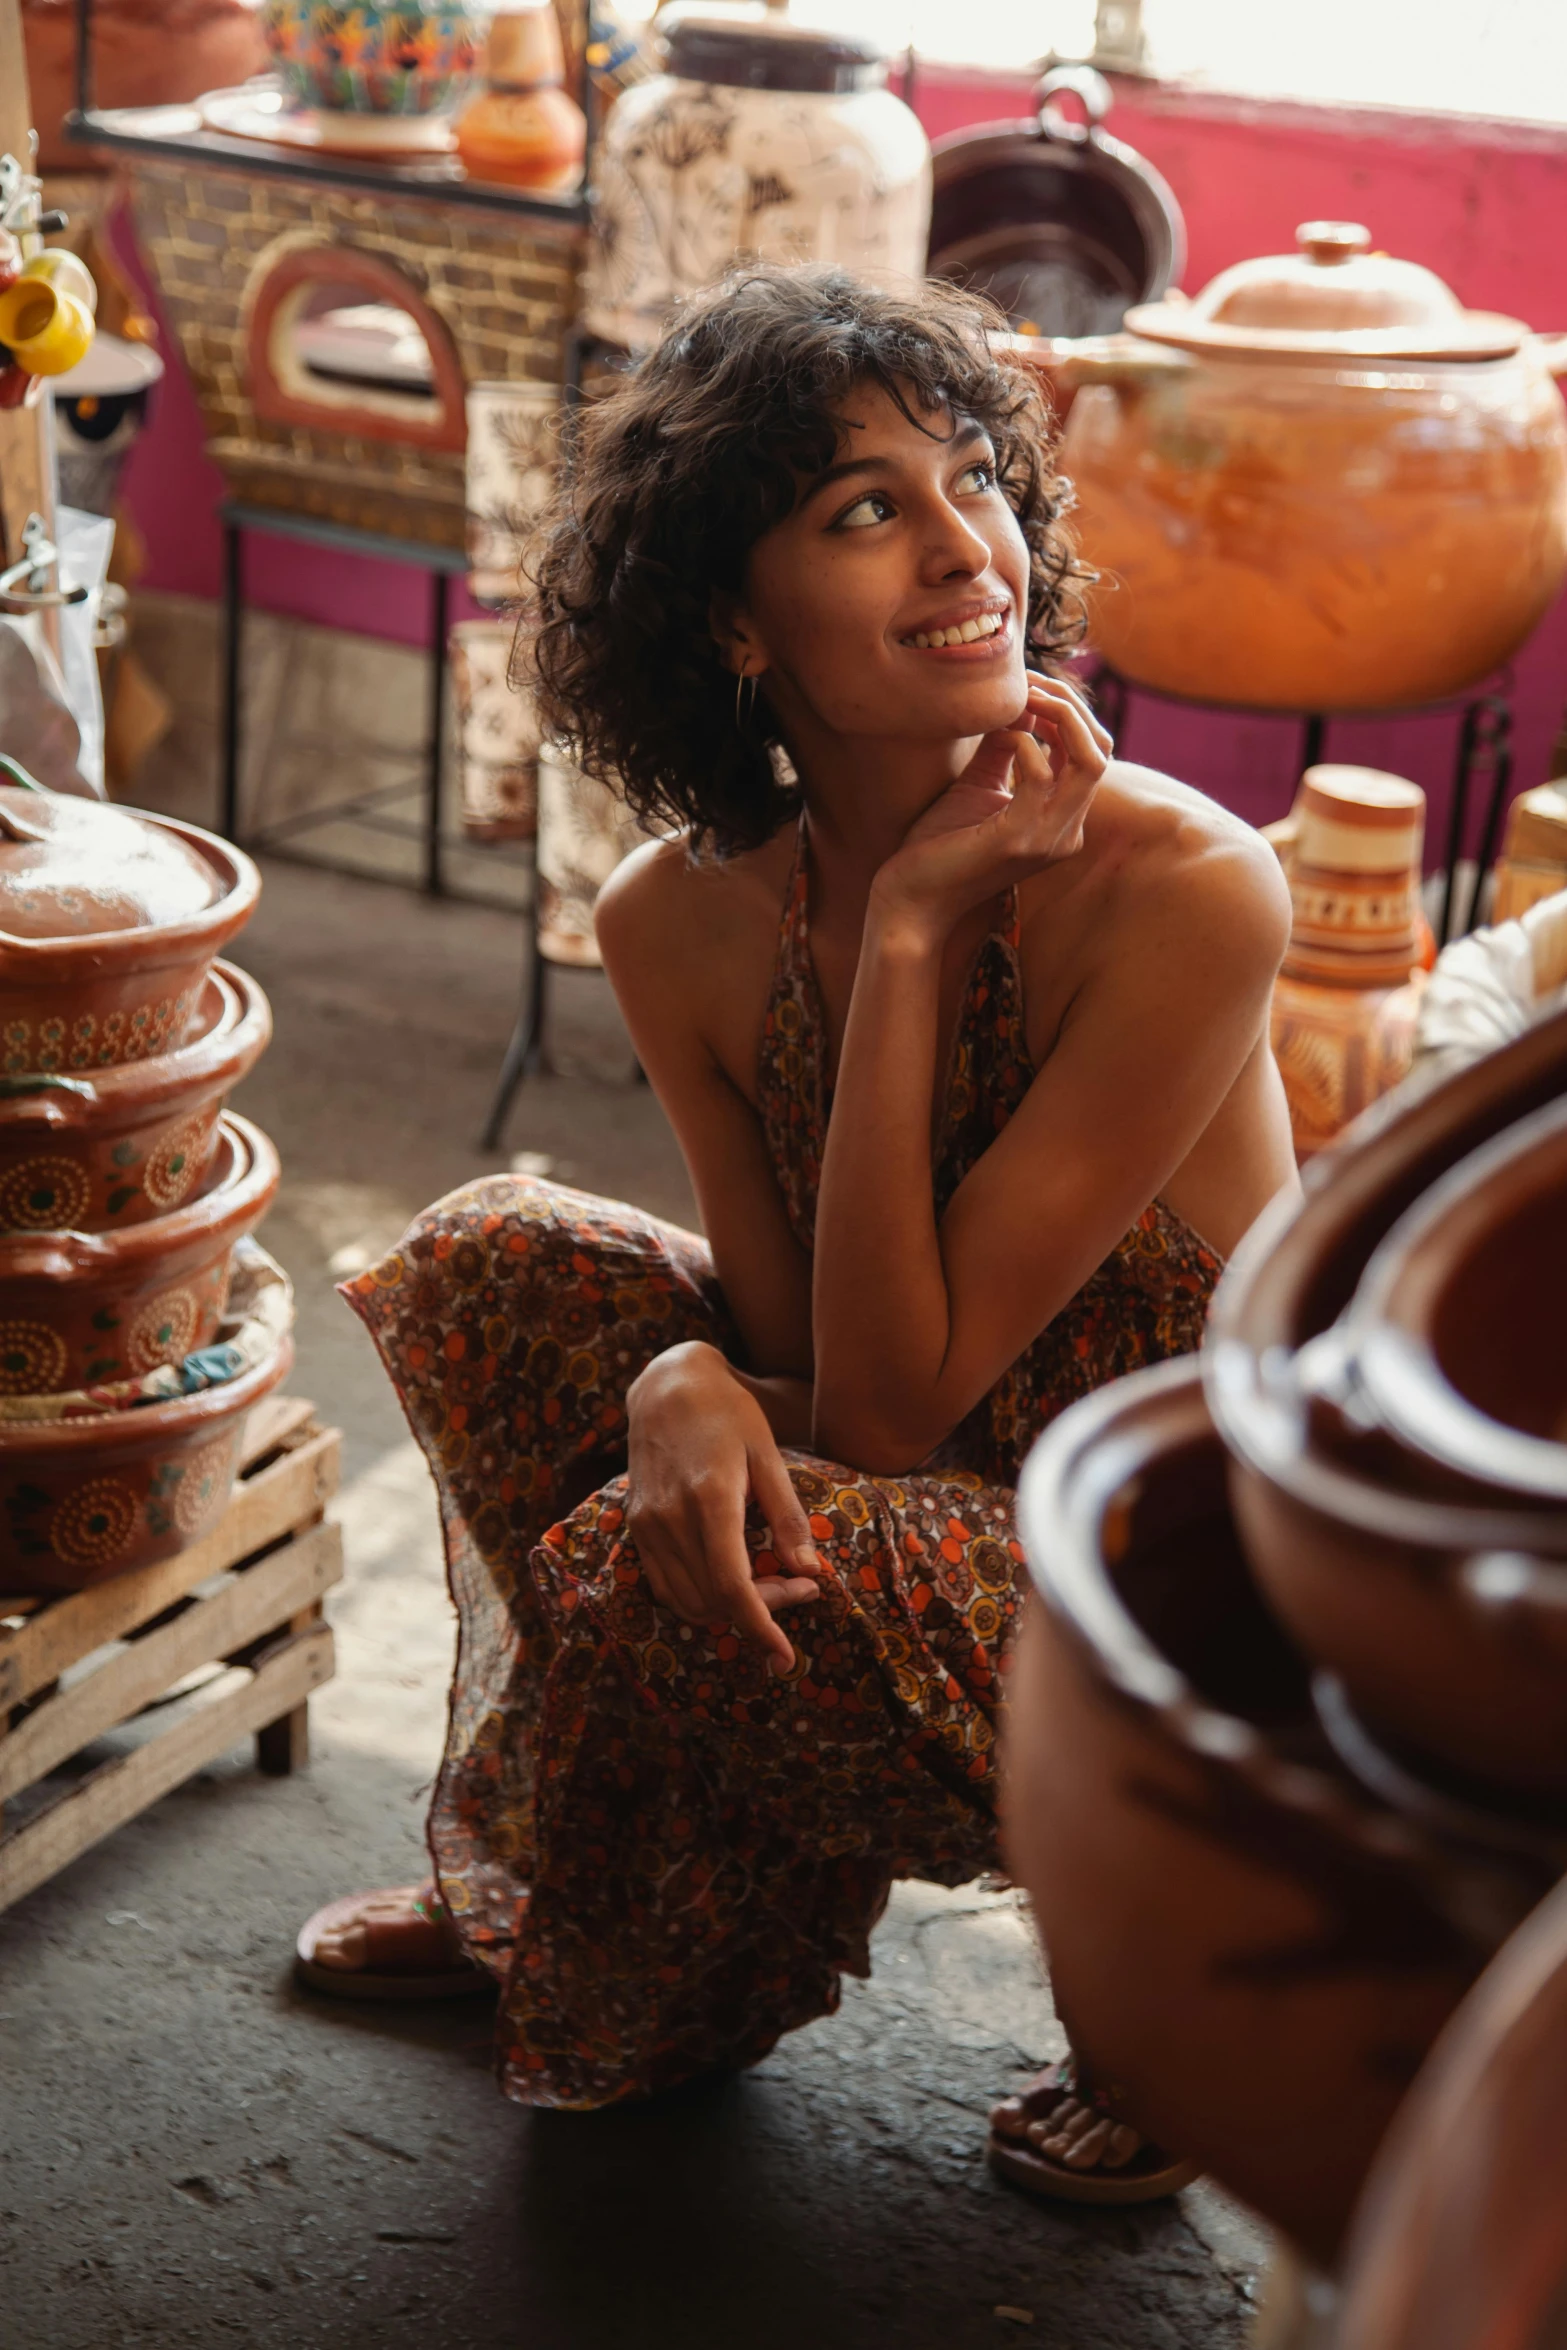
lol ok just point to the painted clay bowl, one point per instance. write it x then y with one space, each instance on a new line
419 57
100 1153
109 920
81 1500
82 1309
1460 1320
1251 1952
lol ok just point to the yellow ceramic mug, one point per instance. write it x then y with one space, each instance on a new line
65 270
45 328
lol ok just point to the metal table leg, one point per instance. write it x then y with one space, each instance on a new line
233 601
525 1052
434 876
1494 741
1313 741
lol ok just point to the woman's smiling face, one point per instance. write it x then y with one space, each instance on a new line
892 602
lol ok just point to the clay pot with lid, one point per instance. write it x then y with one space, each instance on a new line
86 1309
95 1154
84 1499
109 920
1252 1953
1344 1004
1322 485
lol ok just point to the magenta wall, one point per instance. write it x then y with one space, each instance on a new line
1480 203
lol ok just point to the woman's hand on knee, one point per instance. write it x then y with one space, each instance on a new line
701 1449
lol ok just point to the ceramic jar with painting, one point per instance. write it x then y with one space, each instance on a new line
497 732
1251 1953
372 71
764 140
584 831
523 130
88 1309
83 1499
1344 1005
99 1153
509 476
109 921
1322 485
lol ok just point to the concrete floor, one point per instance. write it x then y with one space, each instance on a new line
194 2154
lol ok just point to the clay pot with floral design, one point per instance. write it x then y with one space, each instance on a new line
109 920
1252 1954
82 1309
376 57
99 1153
84 1499
1345 1001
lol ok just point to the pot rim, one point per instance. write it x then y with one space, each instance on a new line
1390 1316
113 1434
1476 335
231 1203
123 1093
1082 1463
103 952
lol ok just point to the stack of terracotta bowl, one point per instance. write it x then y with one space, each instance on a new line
131 1342
1289 1725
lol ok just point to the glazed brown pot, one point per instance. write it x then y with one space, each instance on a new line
144 53
1322 485
1459 1325
109 920
81 1500
1250 1952
83 1309
100 1153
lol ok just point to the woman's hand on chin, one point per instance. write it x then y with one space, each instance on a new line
1018 806
700 1448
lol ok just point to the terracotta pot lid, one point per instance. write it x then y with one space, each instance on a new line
1357 820
76 868
1332 299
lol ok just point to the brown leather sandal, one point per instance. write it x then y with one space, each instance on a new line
386 1974
1146 2176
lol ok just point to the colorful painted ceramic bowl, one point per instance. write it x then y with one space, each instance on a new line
109 920
82 1309
1252 1953
366 58
81 1500
101 1153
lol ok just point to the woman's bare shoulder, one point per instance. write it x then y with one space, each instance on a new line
661 895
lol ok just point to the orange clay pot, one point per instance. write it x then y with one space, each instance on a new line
96 1154
1252 1954
109 920
82 1309
1322 485
81 1500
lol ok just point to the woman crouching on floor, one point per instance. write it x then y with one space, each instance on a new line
962 1026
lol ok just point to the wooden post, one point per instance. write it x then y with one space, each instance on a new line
26 473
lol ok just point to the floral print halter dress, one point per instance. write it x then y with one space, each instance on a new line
667 1855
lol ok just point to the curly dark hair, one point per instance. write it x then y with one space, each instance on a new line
680 468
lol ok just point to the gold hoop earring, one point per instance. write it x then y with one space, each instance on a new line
743 717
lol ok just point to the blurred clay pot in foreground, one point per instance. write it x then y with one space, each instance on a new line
1252 1954
144 53
1322 485
109 920
85 1309
81 1500
100 1153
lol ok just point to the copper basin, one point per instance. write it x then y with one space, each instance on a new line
93 1000
1252 1952
85 1499
100 1153
84 1309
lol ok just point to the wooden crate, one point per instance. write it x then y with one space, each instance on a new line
245 1599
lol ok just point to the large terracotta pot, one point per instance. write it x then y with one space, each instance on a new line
109 920
1251 1952
81 1500
95 1154
144 53
1322 485
82 1309
1459 1326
